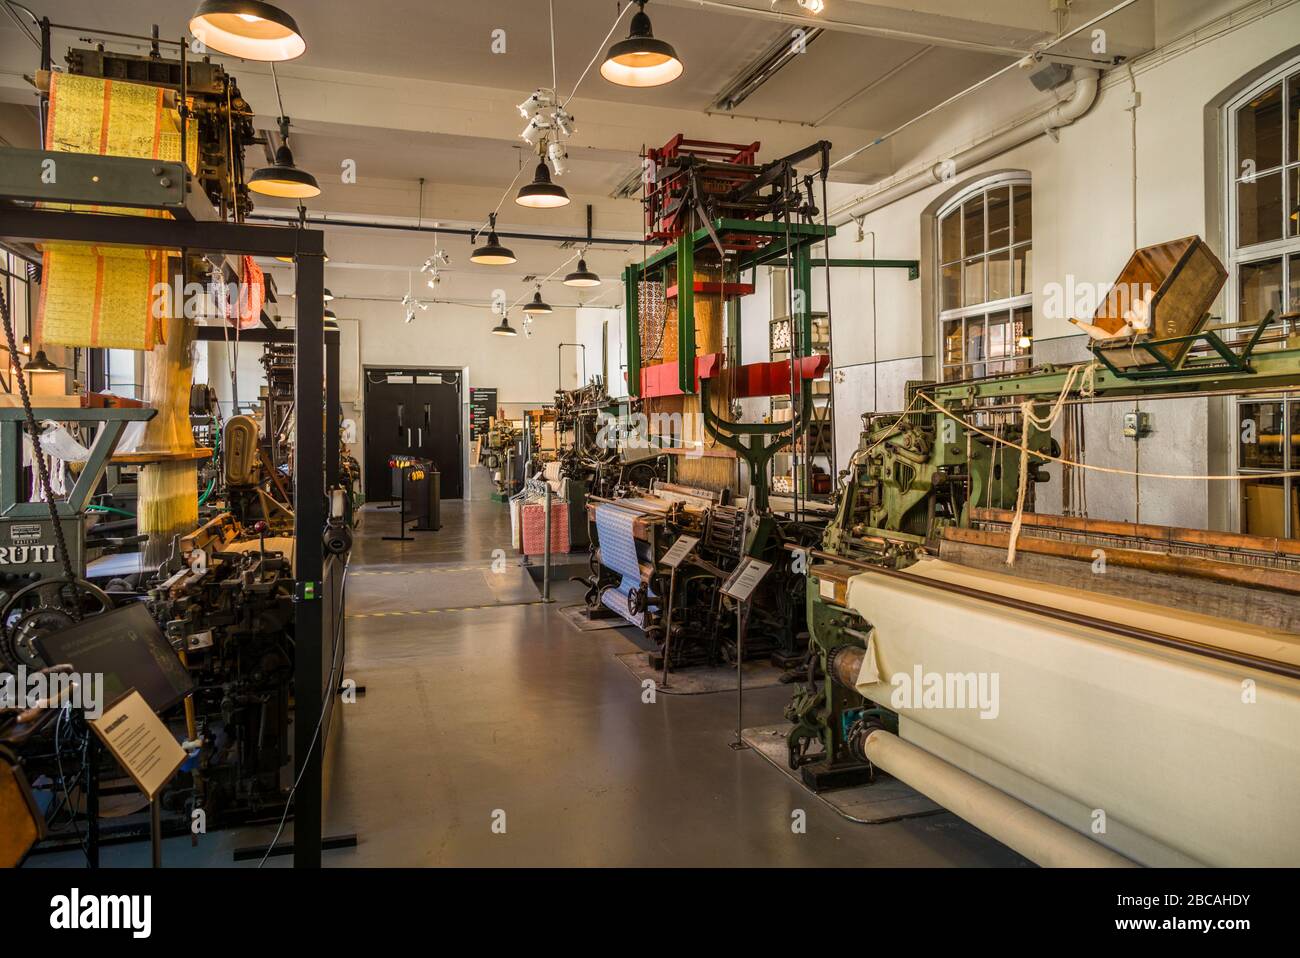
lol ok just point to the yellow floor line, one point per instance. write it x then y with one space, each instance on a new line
468 608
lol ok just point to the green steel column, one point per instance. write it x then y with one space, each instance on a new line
686 313
632 314
803 297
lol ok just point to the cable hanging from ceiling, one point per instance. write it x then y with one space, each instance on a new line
549 124
283 178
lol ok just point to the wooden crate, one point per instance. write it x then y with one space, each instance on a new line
1180 279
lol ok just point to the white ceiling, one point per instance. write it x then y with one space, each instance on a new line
410 89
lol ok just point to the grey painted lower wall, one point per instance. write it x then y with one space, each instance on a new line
1178 445
866 388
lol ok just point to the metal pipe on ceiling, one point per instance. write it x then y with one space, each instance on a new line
1063 114
1037 53
322 220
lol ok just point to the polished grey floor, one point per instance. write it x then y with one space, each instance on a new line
492 733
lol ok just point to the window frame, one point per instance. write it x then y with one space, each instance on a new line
1286 249
1290 403
987 309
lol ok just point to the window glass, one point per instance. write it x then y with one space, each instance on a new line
1263 507
974 282
1259 209
1293 204
1293 119
950 238
985 257
1021 264
1260 288
999 275
1260 436
975 345
1259 132
973 225
952 339
999 217
121 373
1024 219
951 280
1264 261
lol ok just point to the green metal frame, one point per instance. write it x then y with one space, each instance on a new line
758 451
1233 362
112 424
912 266
791 243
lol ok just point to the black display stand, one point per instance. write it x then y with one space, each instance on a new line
423 493
426 495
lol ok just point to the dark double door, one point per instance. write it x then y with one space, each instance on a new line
414 412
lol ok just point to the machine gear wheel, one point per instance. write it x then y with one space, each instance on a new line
41 608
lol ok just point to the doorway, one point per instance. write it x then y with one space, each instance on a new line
413 412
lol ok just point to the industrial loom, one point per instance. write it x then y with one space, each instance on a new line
214 559
719 214
1148 677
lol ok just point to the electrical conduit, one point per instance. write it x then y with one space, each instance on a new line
1086 88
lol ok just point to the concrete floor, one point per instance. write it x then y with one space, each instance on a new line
506 711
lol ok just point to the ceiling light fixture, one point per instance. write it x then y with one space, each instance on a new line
541 193
493 254
536 307
283 178
582 277
812 6
504 329
40 363
641 60
247 28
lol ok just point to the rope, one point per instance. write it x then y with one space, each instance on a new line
1254 476
1087 372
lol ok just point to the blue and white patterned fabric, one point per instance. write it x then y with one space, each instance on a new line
619 552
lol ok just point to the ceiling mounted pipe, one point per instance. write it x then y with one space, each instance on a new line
323 220
1081 100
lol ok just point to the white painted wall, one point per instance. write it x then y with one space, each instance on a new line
1084 226
525 370
603 333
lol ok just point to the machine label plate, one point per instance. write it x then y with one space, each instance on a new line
746 578
25 533
683 547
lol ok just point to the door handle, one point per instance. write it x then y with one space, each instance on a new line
408 437
419 430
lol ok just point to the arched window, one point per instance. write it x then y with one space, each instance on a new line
1263 222
985 246
1263 230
